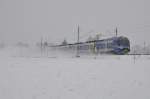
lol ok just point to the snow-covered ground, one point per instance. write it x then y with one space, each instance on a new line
93 77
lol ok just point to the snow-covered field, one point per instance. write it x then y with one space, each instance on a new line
94 77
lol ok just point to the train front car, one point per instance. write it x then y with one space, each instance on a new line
114 45
121 45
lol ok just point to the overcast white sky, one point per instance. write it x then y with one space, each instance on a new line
28 20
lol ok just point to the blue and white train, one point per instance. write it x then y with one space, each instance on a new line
115 45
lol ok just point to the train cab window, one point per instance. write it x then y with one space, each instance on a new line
123 42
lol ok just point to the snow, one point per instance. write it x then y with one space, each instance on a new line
93 77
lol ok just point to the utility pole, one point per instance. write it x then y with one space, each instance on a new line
41 45
116 31
78 42
144 48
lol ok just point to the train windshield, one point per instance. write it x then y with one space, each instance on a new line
122 41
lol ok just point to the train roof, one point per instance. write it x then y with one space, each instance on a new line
112 38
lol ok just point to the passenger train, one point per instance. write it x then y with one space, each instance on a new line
114 45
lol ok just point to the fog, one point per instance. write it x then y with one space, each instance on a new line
54 20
